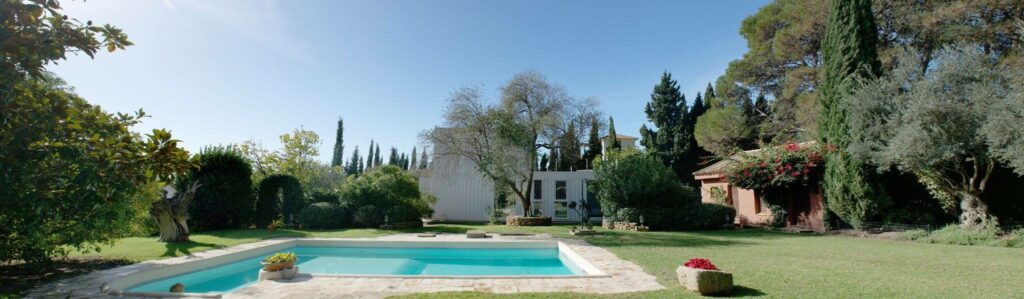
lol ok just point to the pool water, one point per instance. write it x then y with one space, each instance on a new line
380 261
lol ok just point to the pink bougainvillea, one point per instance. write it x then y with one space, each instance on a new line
784 166
699 263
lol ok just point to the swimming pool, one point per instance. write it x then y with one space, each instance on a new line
380 259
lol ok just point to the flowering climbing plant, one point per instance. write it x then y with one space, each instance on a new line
699 263
786 166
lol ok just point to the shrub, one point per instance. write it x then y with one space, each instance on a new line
324 196
368 216
225 197
696 217
913 235
280 196
954 235
323 215
635 179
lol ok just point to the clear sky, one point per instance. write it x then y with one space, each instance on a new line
220 72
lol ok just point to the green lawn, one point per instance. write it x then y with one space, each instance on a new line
764 263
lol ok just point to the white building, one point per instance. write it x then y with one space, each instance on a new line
465 195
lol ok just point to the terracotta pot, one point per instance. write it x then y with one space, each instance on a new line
277 266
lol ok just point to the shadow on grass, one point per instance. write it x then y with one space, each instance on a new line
260 234
17 278
185 248
741 291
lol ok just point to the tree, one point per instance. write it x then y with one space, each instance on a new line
848 52
671 141
339 145
412 164
280 197
722 131
543 162
950 126
423 159
613 137
354 163
369 157
393 158
225 199
502 140
377 160
593 149
171 214
569 149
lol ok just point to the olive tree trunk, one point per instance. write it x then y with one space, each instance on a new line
171 214
973 212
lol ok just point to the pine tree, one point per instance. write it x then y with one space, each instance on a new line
569 149
354 163
362 168
369 157
413 157
377 160
553 160
614 143
543 162
709 97
403 162
672 141
339 146
423 159
593 145
849 51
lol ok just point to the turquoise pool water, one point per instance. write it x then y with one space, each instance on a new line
379 261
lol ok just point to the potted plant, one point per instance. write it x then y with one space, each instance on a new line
279 261
701 276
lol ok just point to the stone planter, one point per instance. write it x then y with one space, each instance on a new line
285 274
277 266
527 221
608 222
705 282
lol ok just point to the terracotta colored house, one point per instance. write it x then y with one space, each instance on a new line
806 211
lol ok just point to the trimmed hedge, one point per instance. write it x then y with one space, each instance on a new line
368 216
323 215
225 197
279 195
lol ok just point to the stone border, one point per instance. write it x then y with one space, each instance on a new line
622 276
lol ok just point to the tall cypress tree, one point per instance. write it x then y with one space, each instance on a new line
339 146
593 145
377 160
412 165
553 160
569 149
354 164
369 157
543 162
849 51
613 142
393 158
423 159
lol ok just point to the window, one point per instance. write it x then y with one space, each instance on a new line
592 203
537 189
537 208
559 189
561 206
758 203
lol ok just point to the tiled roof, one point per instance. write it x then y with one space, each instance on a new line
720 166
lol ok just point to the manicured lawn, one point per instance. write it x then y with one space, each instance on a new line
764 263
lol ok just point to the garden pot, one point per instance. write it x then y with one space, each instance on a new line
277 266
705 282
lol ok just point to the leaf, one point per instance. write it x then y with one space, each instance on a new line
111 47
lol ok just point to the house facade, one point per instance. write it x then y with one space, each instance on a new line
465 195
804 207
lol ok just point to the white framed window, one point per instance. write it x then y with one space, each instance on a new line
561 205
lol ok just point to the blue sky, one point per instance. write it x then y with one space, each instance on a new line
220 72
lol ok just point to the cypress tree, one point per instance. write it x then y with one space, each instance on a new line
369 157
700 106
354 163
543 162
671 142
393 158
569 149
709 96
423 159
849 50
613 142
593 145
339 146
377 160
553 160
413 157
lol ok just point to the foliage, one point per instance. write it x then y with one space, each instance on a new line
671 142
593 149
945 126
297 157
385 190
278 196
788 166
281 257
631 178
722 130
71 172
613 137
323 215
355 164
685 214
323 196
225 198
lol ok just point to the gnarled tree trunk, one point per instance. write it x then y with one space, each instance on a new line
171 214
973 212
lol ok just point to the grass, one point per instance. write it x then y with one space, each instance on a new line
765 263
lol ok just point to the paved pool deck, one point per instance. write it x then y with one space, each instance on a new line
622 276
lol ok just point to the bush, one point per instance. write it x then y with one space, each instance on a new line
697 217
634 179
913 235
323 215
280 196
954 235
323 196
225 197
368 216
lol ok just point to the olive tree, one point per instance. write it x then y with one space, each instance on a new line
501 140
949 125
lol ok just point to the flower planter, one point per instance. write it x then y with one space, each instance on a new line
705 282
527 221
277 266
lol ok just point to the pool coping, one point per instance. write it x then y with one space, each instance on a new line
623 277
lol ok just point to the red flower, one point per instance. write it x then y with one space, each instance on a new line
791 147
789 166
699 263
806 171
746 173
795 173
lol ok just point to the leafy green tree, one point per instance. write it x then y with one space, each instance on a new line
71 172
613 139
280 197
386 190
593 149
950 126
722 131
849 52
339 145
225 197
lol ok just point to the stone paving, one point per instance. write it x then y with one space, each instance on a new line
624 277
